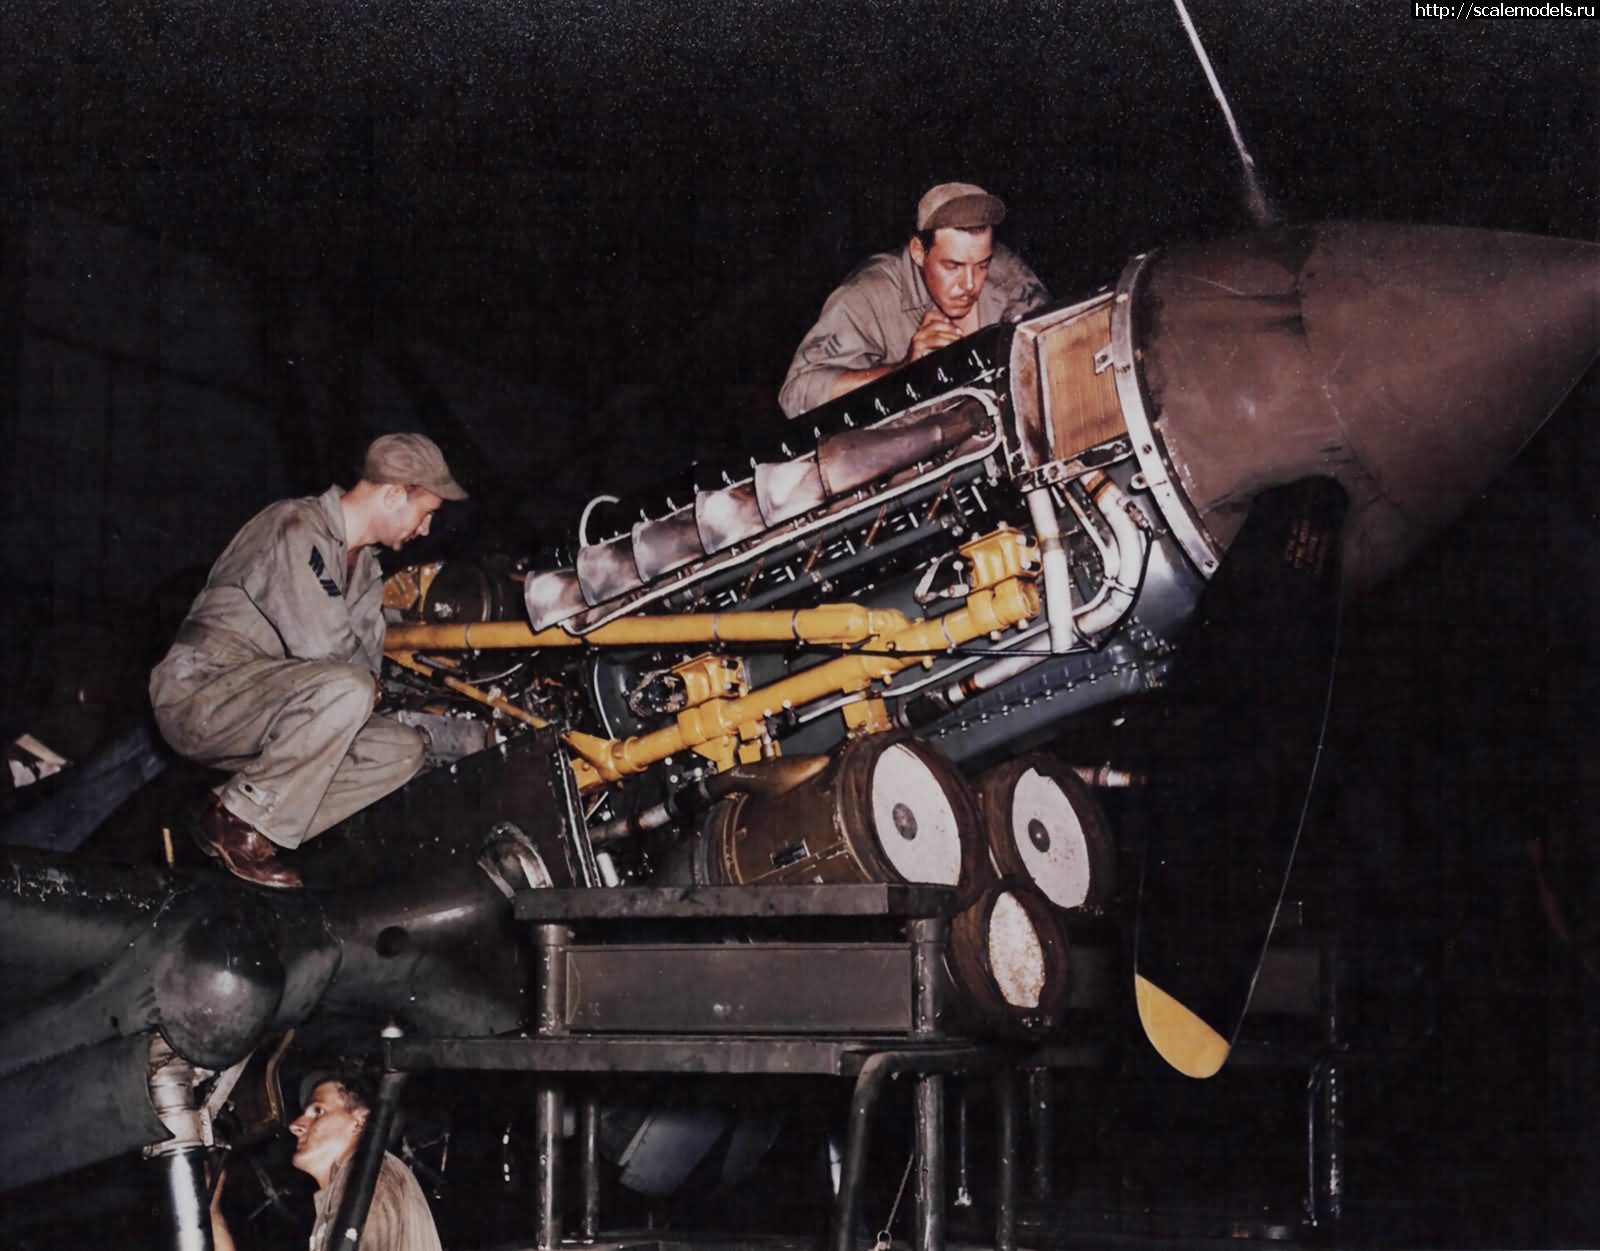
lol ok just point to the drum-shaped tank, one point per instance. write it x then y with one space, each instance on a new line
887 809
1008 962
1044 825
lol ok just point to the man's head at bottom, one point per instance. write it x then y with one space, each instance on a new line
327 1130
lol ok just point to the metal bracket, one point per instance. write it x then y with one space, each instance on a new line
1060 472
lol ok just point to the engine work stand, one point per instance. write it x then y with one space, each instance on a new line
777 1001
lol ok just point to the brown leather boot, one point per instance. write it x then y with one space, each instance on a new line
244 851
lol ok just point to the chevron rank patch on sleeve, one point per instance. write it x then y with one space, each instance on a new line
320 568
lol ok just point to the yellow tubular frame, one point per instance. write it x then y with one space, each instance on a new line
827 623
1004 566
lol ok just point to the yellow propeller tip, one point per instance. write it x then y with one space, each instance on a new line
1180 1037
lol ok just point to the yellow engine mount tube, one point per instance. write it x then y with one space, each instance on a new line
826 623
985 612
1003 567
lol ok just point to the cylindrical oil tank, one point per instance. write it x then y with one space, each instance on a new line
889 808
1008 962
1045 825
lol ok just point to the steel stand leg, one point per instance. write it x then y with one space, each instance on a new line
928 937
1325 1116
929 1116
1005 1182
548 1132
552 942
589 1162
1041 1133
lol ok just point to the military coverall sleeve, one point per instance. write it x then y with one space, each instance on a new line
847 336
1024 291
296 589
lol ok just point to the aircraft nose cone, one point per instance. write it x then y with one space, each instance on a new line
1410 362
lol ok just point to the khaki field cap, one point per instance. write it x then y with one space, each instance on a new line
411 460
959 204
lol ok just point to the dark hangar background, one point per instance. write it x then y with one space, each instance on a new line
578 243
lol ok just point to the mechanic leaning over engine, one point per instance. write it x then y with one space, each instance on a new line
950 280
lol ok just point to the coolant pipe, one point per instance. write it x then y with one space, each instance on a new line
930 707
1128 549
1116 593
1057 575
989 677
1110 553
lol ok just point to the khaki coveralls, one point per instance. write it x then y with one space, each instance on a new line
271 676
399 1219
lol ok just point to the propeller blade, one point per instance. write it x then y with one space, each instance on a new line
1231 751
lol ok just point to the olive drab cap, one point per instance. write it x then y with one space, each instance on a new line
963 205
410 460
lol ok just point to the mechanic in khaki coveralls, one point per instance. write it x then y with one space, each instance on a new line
274 672
951 279
326 1135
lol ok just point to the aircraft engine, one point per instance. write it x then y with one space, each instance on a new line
884 575
989 542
